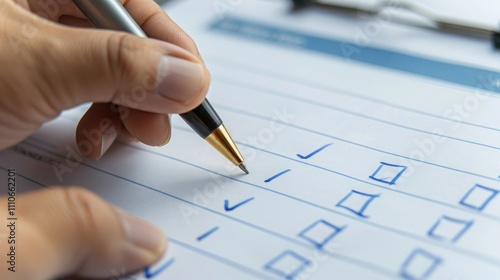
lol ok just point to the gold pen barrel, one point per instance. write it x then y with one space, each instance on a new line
222 142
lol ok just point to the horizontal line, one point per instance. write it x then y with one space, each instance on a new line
249 114
221 259
330 89
338 109
469 211
364 221
26 178
383 227
396 231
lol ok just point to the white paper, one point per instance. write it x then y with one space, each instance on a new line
357 171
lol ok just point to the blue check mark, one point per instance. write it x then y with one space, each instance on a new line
314 152
150 274
231 208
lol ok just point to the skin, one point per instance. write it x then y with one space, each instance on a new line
53 60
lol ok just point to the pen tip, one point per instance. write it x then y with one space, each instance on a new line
243 167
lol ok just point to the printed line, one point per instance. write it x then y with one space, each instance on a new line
361 220
250 114
347 259
206 234
277 175
423 239
220 259
330 89
468 211
173 240
360 115
26 178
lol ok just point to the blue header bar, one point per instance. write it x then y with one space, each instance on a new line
469 76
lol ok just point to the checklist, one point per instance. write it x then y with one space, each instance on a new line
371 155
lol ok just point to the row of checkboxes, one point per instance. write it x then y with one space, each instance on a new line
477 198
418 265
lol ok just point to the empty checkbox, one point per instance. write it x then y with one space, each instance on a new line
320 233
478 197
357 202
449 229
419 265
287 264
388 173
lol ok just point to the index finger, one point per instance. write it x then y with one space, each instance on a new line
157 24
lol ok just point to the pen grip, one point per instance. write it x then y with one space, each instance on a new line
203 119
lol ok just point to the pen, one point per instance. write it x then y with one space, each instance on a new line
110 14
440 24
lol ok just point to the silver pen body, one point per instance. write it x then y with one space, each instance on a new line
109 14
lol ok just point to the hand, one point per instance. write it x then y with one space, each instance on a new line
51 61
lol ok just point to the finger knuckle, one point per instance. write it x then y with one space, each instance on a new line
120 53
82 204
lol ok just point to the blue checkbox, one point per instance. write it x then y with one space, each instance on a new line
357 202
388 173
419 265
320 233
287 264
449 229
478 197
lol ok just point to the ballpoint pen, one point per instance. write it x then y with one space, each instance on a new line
440 24
110 14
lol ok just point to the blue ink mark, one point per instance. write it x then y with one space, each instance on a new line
410 270
387 167
313 153
231 208
287 264
476 190
150 274
320 241
445 219
203 236
277 175
362 207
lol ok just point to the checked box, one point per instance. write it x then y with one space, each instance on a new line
320 233
388 173
287 264
478 197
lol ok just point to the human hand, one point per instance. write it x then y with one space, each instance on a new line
55 64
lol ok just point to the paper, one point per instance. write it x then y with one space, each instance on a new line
371 155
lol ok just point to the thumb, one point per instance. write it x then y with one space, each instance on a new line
83 65
70 231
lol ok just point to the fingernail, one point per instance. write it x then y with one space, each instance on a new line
143 234
179 79
108 137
